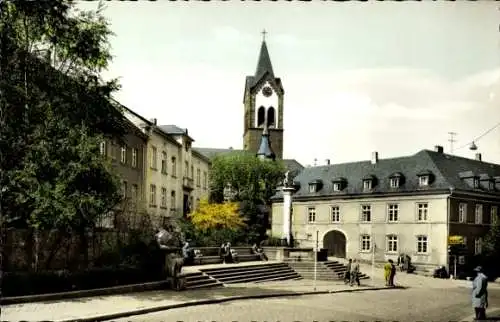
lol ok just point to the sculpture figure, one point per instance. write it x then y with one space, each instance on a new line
169 240
286 181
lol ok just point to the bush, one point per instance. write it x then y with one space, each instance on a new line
29 283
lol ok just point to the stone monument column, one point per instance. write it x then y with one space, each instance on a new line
287 213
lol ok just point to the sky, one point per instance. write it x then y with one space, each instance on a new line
391 77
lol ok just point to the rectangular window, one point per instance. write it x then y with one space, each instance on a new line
422 211
124 189
172 200
478 246
123 154
423 181
205 180
186 169
152 195
462 213
476 183
192 172
366 243
164 197
102 148
311 214
366 213
494 215
174 167
478 215
312 188
134 193
367 185
394 182
134 158
393 212
422 245
198 177
154 158
164 162
336 186
392 244
335 214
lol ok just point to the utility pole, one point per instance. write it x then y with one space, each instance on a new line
452 140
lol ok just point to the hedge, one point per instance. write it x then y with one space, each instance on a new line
42 282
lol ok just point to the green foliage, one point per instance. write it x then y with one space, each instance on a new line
491 244
254 182
54 111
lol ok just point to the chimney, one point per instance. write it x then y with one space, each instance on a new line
154 121
327 161
478 157
438 149
374 157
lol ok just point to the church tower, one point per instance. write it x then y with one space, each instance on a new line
263 104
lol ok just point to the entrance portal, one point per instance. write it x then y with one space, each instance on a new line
335 243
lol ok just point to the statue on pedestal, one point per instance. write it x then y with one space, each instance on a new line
287 181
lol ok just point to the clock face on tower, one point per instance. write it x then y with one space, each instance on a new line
267 91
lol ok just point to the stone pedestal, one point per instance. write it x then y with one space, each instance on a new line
287 213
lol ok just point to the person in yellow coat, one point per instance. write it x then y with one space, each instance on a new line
387 272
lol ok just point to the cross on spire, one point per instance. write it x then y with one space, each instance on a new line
264 33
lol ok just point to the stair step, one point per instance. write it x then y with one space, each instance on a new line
200 282
262 278
215 284
280 278
241 268
244 272
251 275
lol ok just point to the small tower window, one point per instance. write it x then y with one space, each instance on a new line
261 116
271 116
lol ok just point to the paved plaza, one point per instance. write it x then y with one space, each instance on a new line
418 304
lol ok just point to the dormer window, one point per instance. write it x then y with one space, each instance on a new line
491 185
339 184
476 183
423 181
367 184
315 186
394 182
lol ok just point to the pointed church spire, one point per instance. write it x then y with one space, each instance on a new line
265 151
264 63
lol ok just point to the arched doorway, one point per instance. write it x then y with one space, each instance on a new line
335 243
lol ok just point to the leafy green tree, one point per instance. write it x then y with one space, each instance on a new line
253 182
54 111
492 242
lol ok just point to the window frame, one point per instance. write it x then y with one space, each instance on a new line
164 163
365 239
336 186
394 182
478 214
367 185
462 212
123 154
423 181
392 240
422 210
163 202
134 158
312 188
421 241
311 213
366 209
152 195
334 214
394 212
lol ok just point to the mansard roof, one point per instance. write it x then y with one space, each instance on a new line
447 172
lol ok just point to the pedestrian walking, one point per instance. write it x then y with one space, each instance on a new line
387 272
354 274
480 294
392 274
347 274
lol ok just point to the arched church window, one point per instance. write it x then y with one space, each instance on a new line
261 116
271 116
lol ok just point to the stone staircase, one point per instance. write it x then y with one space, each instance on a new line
197 280
251 273
326 271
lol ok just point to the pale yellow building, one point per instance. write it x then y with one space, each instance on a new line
176 175
378 209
